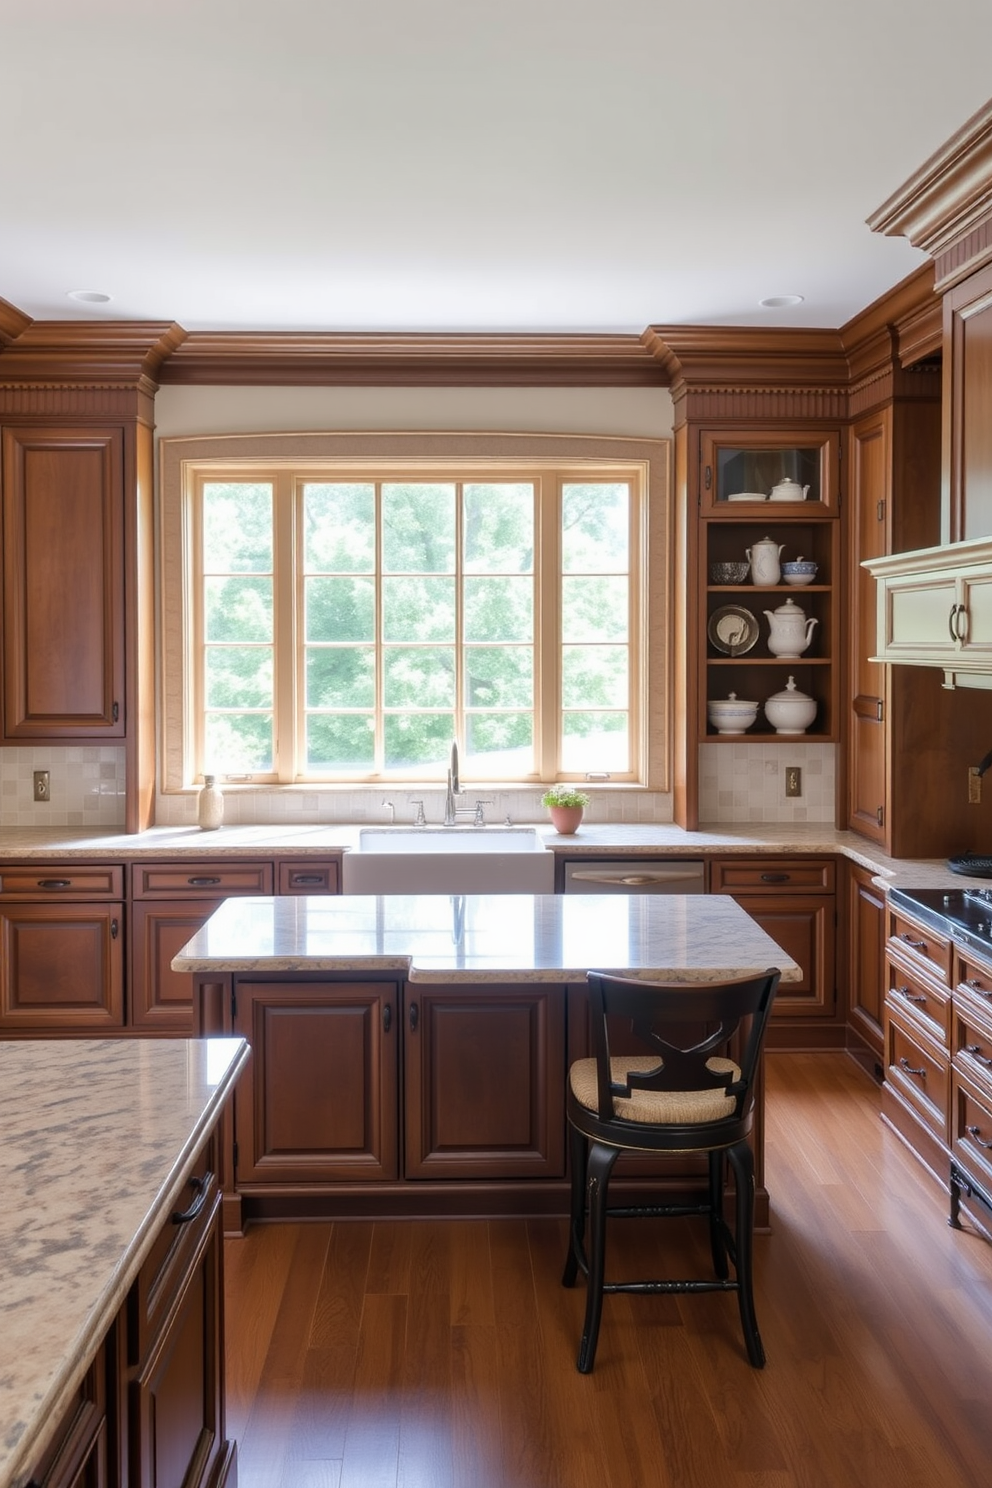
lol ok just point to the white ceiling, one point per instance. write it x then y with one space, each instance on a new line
454 165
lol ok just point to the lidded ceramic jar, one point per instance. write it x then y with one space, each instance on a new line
790 711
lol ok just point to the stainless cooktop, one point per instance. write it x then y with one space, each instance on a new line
964 915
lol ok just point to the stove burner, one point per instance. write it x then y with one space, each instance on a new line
983 896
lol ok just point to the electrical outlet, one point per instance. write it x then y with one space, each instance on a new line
974 787
42 786
793 780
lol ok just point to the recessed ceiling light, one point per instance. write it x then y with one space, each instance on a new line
778 302
89 296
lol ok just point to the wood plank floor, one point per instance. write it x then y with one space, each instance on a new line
442 1354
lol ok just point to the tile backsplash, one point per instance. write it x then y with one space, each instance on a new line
737 783
86 786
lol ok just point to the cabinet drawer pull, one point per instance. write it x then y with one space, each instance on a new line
916 945
912 996
387 1017
306 878
976 986
55 883
951 621
200 1187
202 883
910 1069
975 1050
114 929
775 877
973 1133
414 1017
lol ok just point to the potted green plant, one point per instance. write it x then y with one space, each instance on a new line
566 805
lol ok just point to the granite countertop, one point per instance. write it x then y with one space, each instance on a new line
97 1140
593 839
439 938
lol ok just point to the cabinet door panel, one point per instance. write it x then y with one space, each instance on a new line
158 997
61 968
319 1100
804 928
484 1071
63 643
866 955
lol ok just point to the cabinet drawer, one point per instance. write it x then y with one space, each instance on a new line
972 1045
56 881
919 1001
188 880
167 1265
772 875
973 980
971 1128
919 1070
315 877
921 946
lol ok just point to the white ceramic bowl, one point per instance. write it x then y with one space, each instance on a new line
731 715
790 711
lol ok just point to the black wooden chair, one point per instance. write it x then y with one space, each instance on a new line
682 1095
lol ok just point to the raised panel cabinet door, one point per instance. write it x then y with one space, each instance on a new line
484 1071
804 927
61 968
63 571
158 997
319 1101
967 398
870 500
176 1396
866 956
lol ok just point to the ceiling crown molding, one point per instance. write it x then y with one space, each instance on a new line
315 358
776 356
13 323
108 353
949 197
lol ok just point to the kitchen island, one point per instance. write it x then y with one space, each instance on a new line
110 1261
411 1052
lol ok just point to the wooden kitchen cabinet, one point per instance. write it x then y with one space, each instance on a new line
61 951
865 948
483 1081
794 901
319 1103
78 1455
63 583
176 1410
917 1014
170 902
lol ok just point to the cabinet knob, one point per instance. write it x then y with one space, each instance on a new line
414 1017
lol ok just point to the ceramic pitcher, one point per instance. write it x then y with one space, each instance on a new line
764 559
789 632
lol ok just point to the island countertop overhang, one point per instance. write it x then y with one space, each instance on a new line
432 939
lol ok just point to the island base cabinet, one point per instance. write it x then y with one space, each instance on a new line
177 1407
318 1103
483 1070
78 1456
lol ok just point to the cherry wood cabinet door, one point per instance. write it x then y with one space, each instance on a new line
803 925
63 576
866 926
61 968
160 999
484 1070
176 1424
319 1100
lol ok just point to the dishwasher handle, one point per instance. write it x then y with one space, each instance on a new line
636 879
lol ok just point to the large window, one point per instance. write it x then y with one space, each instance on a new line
344 623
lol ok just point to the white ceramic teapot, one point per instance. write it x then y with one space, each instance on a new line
789 490
789 632
763 557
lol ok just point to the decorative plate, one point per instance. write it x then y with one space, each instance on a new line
748 496
732 630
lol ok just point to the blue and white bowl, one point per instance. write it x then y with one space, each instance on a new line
799 572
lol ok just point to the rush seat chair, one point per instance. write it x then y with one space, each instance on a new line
679 1094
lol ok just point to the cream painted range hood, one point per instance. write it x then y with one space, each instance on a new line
935 610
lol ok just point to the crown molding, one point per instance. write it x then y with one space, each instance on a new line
314 358
13 323
77 352
779 357
949 197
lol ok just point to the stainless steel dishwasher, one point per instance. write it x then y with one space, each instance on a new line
636 876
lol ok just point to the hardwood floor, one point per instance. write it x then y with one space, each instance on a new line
441 1354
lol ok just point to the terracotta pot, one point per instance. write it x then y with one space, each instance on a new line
566 818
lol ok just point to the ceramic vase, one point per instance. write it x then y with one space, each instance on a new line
210 805
566 819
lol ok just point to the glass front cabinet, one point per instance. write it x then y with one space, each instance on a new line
768 569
